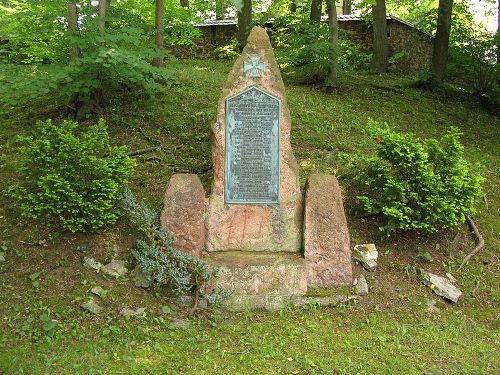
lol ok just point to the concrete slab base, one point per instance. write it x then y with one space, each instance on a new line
259 280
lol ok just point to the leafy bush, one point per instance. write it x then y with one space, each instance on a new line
69 179
305 47
161 263
415 185
109 62
229 51
117 59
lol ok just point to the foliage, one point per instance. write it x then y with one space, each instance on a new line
228 51
117 59
160 262
69 179
422 186
305 47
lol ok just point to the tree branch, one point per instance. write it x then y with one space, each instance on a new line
479 246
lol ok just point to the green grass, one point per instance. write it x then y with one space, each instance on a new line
389 331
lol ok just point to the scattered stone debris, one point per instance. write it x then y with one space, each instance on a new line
91 307
367 255
127 313
431 306
115 268
2 258
179 323
441 286
98 291
139 279
92 263
321 301
362 286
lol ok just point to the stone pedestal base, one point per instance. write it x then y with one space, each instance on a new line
326 237
259 280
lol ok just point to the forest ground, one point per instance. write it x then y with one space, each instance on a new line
389 331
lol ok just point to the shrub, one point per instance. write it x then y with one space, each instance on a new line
415 185
161 263
71 180
305 47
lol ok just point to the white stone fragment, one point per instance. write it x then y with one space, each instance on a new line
115 268
441 286
92 263
91 307
362 286
367 255
127 313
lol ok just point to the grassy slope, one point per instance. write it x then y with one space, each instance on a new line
388 331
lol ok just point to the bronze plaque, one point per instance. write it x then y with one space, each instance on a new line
252 164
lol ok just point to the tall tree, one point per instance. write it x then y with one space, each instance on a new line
441 40
498 34
333 26
102 16
244 21
74 51
316 8
159 25
347 7
380 41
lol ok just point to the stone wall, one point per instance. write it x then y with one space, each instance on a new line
416 45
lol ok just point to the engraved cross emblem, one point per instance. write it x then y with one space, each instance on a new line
255 66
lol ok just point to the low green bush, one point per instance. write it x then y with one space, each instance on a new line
69 179
417 185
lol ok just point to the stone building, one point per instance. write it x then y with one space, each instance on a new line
411 47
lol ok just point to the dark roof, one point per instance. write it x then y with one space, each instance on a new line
340 17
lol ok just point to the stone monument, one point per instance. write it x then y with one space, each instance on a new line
252 226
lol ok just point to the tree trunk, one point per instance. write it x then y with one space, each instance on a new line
380 42
74 51
316 8
441 40
102 16
159 25
498 34
292 7
333 26
244 20
347 7
184 3
220 9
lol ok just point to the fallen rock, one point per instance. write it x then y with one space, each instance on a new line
362 286
98 291
115 268
441 286
2 258
91 307
92 263
140 279
179 323
127 313
367 255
